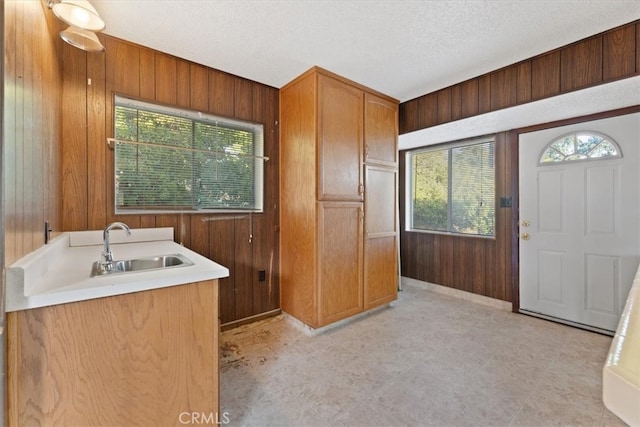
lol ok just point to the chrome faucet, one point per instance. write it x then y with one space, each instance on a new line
106 257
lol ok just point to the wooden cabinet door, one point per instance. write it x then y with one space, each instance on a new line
380 130
340 123
339 260
381 241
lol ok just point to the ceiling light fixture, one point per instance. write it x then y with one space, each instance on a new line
78 13
83 20
82 39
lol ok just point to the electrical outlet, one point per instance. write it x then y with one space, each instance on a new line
262 275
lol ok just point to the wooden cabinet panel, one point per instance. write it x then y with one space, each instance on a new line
340 260
140 358
380 195
326 124
340 140
380 271
380 130
380 245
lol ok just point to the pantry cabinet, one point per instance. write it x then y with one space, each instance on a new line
338 189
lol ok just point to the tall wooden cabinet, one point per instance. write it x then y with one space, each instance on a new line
338 190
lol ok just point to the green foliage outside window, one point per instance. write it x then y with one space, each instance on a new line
453 189
176 162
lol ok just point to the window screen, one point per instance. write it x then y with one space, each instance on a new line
453 189
169 160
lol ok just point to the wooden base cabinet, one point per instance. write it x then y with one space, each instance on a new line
338 210
146 358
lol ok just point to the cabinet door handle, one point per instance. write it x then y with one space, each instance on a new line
361 189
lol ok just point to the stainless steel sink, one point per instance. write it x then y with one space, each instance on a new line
141 264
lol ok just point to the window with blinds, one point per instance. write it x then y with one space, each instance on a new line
453 188
173 160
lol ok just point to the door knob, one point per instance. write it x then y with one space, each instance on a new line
525 236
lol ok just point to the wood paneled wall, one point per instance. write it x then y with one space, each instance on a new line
32 125
490 266
90 82
474 264
599 59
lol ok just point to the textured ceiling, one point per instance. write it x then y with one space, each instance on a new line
402 48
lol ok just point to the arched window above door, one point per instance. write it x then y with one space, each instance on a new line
578 146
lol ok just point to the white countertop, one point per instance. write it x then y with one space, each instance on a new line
621 372
59 272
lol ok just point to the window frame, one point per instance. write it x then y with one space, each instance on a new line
259 175
575 133
409 180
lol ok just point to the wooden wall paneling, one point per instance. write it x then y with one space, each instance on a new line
581 64
199 87
427 258
503 217
480 267
444 105
183 84
469 98
408 116
545 75
504 88
243 99
265 294
619 53
74 140
199 232
456 102
29 143
166 79
512 159
222 250
523 71
123 77
443 259
32 126
221 93
428 110
11 113
638 47
123 67
97 149
243 266
484 94
463 267
166 92
147 75
167 220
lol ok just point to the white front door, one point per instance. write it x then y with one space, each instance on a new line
579 224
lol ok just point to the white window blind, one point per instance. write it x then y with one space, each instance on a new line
169 160
453 189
